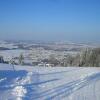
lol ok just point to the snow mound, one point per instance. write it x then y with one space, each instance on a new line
16 82
19 92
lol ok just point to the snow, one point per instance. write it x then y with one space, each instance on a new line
9 54
8 45
19 92
14 53
49 83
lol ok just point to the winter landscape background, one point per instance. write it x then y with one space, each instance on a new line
36 70
49 49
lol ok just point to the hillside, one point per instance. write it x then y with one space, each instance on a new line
47 83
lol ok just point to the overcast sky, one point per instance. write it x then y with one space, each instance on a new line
50 20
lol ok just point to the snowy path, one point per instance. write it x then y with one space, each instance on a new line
59 83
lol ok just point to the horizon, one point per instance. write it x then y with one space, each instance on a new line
51 41
50 20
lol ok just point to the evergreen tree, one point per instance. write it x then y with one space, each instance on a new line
1 59
21 59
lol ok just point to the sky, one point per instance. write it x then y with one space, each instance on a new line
50 20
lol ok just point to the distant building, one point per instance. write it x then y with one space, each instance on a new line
45 64
49 65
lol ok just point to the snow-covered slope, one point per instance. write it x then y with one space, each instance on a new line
45 83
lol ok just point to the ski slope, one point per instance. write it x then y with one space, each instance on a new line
45 83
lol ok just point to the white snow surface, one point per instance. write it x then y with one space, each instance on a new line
9 54
49 83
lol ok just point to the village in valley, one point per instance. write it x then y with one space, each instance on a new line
40 53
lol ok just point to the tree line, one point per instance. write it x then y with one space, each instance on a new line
87 57
12 61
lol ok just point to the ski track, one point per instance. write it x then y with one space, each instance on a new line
68 88
23 85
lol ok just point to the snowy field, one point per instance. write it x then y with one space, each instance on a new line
9 54
45 83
